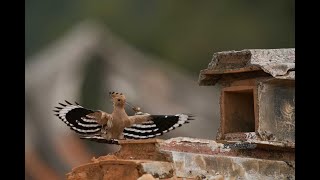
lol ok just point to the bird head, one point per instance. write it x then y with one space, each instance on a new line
118 99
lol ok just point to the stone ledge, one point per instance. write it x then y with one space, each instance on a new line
109 168
211 147
187 158
157 169
189 165
278 63
142 149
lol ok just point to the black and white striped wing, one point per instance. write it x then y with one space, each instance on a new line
74 116
156 126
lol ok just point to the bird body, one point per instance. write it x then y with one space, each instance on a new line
99 126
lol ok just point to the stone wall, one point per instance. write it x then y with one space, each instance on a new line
187 158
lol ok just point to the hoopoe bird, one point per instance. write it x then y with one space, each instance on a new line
99 126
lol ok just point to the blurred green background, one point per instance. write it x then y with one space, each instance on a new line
186 32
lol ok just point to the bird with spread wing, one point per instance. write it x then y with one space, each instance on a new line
99 126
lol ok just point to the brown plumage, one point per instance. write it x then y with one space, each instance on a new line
108 128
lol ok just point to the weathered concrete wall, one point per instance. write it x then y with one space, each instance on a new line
277 110
211 147
141 149
188 158
207 159
278 63
191 165
158 169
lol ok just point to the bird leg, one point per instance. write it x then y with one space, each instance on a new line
106 135
103 129
121 136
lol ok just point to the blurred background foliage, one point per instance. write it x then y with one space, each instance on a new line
186 32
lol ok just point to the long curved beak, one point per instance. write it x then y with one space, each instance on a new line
136 109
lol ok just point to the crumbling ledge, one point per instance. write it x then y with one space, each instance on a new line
189 158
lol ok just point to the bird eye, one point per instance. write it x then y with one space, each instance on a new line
118 99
